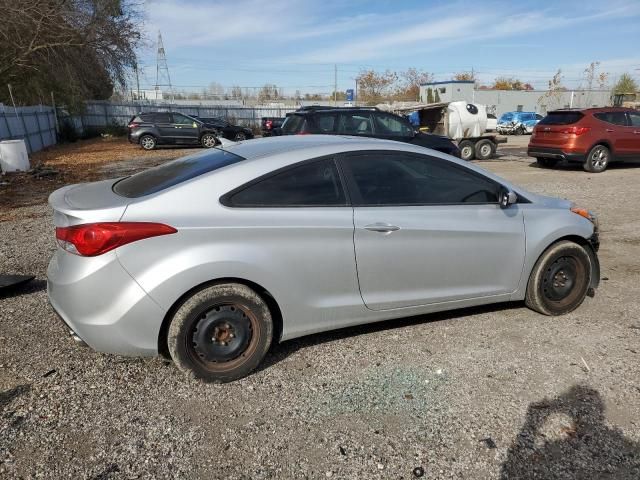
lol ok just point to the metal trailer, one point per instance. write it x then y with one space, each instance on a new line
473 141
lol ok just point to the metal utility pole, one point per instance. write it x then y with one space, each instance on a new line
162 69
137 81
335 84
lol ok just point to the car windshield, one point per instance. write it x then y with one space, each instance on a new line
172 173
293 124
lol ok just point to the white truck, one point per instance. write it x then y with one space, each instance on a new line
464 123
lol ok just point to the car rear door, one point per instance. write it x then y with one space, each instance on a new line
164 124
430 231
356 123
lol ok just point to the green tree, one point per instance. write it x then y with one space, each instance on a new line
625 84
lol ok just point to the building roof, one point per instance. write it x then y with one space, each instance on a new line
447 82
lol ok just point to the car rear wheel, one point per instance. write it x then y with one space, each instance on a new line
519 130
560 279
208 140
484 149
240 136
148 142
221 333
467 150
597 160
546 162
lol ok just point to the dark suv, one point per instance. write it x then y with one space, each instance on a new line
160 128
366 122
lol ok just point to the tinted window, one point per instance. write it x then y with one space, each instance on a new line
356 124
326 122
615 118
634 119
312 184
182 119
507 117
293 124
390 125
161 118
561 118
172 173
538 116
404 179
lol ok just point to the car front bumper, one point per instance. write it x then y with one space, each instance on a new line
102 305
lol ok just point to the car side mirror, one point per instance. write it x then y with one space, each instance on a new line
507 197
195 125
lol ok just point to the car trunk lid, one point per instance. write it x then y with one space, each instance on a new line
556 128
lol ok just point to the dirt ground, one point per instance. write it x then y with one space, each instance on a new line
482 393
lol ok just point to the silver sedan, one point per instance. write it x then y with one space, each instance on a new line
210 258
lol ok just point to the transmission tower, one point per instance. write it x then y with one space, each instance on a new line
162 69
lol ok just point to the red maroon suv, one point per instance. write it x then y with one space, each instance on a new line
592 136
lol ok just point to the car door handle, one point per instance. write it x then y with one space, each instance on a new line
636 132
381 227
610 130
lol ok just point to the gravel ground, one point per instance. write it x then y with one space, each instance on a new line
492 392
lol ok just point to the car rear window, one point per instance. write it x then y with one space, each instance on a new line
172 173
561 118
293 124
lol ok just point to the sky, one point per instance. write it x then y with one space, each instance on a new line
296 44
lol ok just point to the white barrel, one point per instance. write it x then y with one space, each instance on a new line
13 156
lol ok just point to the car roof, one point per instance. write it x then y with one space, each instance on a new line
595 109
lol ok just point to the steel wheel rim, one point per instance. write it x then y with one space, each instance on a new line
208 140
563 281
466 152
599 158
147 143
204 341
485 150
240 137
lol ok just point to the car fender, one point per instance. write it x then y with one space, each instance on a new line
544 227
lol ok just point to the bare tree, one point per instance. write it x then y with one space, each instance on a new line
79 49
553 95
373 87
411 79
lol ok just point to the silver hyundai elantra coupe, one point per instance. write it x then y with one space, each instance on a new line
212 257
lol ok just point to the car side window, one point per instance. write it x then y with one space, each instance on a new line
390 125
326 122
396 178
180 119
356 124
634 119
614 118
314 184
162 118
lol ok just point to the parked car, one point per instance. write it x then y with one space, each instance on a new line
492 122
270 125
212 257
594 137
363 122
170 128
517 123
236 133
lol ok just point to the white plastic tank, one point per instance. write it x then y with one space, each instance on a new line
466 120
13 156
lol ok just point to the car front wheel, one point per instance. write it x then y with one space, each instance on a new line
208 140
559 280
221 333
240 136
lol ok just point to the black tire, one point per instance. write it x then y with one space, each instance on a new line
221 333
208 140
559 280
598 159
240 136
467 150
485 149
148 142
547 162
519 130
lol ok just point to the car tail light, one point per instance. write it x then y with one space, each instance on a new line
268 124
92 239
133 125
575 130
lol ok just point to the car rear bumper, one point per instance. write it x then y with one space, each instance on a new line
102 305
557 153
